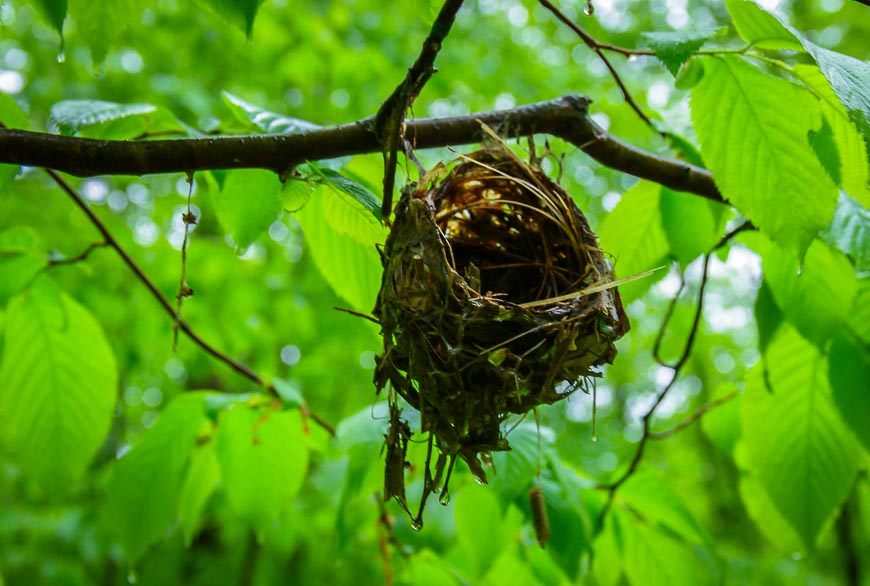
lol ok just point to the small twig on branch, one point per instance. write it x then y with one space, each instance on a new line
83 255
598 48
566 117
110 241
391 115
694 416
647 418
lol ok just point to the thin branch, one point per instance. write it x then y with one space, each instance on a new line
598 49
647 418
83 255
110 241
566 117
391 115
694 416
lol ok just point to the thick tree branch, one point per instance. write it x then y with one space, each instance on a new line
566 117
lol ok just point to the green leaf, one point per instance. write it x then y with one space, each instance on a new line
570 521
654 558
144 490
690 74
354 189
608 548
634 235
848 373
850 79
289 393
768 316
722 424
816 298
269 122
264 460
55 12
859 317
515 470
101 22
796 444
824 144
759 27
351 268
478 526
17 271
692 224
58 385
849 232
247 203
766 515
673 48
20 239
11 113
753 133
200 483
295 195
240 13
648 491
72 116
427 567
851 148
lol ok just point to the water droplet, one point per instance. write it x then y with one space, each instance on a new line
132 576
590 9
417 524
61 57
595 438
444 499
632 57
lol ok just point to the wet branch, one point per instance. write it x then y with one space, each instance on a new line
566 117
598 49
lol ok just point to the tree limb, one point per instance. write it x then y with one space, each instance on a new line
566 117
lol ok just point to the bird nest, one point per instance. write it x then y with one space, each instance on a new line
495 298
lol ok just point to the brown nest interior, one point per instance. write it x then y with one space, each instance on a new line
486 308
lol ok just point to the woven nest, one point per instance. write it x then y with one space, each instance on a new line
494 300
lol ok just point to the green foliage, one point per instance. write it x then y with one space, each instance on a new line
758 150
634 235
796 445
246 203
674 48
263 461
848 373
262 119
58 380
238 12
145 488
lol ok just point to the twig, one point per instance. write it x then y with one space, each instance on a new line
566 117
391 115
694 416
110 241
79 257
184 290
598 48
669 313
647 418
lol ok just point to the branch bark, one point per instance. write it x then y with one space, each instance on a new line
566 117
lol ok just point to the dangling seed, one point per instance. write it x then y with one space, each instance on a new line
539 516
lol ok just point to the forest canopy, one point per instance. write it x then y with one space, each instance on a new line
198 378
